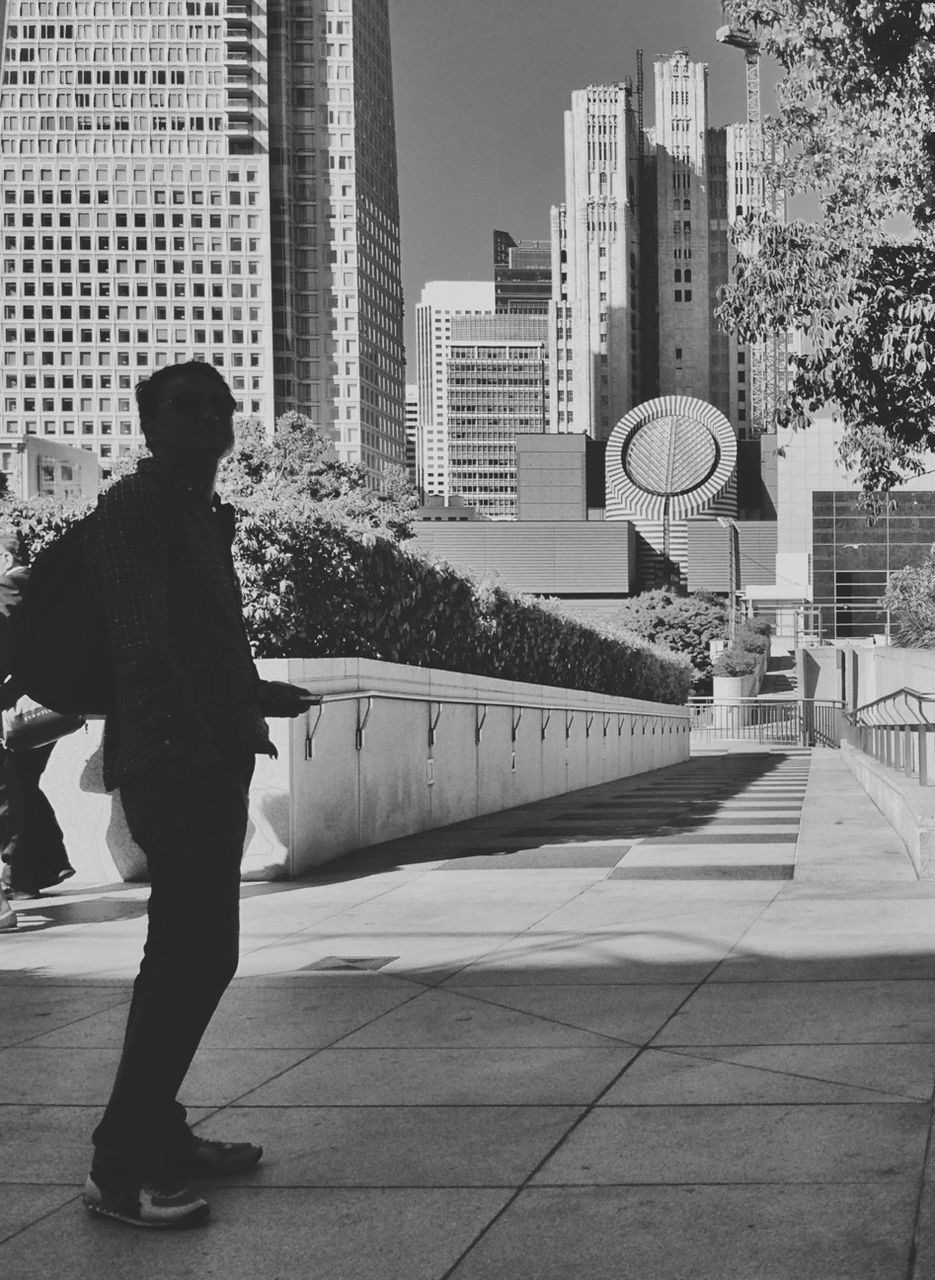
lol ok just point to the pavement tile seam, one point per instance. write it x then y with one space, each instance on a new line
73 1022
574 897
71 1198
540 1017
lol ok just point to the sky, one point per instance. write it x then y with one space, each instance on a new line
481 87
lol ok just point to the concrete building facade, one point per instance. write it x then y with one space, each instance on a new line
595 315
522 275
412 431
186 180
482 381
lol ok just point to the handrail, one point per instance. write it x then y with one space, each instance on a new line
514 705
806 722
894 731
760 701
855 714
350 695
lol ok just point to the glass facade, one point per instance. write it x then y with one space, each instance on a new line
853 556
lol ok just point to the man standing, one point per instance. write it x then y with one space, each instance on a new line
180 743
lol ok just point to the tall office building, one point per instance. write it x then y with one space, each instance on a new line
412 432
522 275
640 247
186 179
482 381
595 316
680 153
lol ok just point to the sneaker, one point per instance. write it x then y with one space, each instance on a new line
203 1158
164 1207
7 914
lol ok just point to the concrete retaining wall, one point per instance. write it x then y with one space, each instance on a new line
883 669
435 752
909 808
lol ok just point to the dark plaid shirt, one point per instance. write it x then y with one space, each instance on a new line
159 560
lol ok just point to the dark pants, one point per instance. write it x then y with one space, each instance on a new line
190 819
32 839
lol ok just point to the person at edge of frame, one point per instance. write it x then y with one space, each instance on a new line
33 847
180 744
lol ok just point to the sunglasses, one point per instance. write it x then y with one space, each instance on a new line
192 402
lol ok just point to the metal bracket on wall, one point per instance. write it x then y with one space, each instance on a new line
479 721
569 721
517 716
433 721
588 723
362 723
607 717
545 722
311 729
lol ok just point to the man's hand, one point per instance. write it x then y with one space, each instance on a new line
280 699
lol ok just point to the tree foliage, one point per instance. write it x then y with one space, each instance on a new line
297 470
910 599
854 130
313 588
681 624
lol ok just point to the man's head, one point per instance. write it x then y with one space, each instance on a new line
187 409
12 549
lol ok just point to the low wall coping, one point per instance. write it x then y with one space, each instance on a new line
337 676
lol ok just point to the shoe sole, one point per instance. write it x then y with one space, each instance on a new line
195 1218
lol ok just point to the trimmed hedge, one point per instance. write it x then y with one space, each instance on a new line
314 589
317 589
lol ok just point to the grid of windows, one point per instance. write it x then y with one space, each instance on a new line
133 235
111 270
190 179
495 390
337 301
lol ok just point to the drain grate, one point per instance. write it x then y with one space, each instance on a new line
360 964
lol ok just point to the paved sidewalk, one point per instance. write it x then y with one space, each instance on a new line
681 1026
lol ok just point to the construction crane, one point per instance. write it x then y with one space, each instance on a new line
768 357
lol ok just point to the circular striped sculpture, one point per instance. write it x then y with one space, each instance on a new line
670 458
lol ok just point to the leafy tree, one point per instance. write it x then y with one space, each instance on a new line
682 624
910 598
297 469
855 130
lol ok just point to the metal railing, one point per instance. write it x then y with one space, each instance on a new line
594 719
895 730
802 722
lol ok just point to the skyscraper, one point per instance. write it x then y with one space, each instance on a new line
412 432
482 381
680 138
186 180
640 247
595 330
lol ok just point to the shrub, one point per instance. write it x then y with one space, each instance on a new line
683 624
735 662
316 589
910 598
751 641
